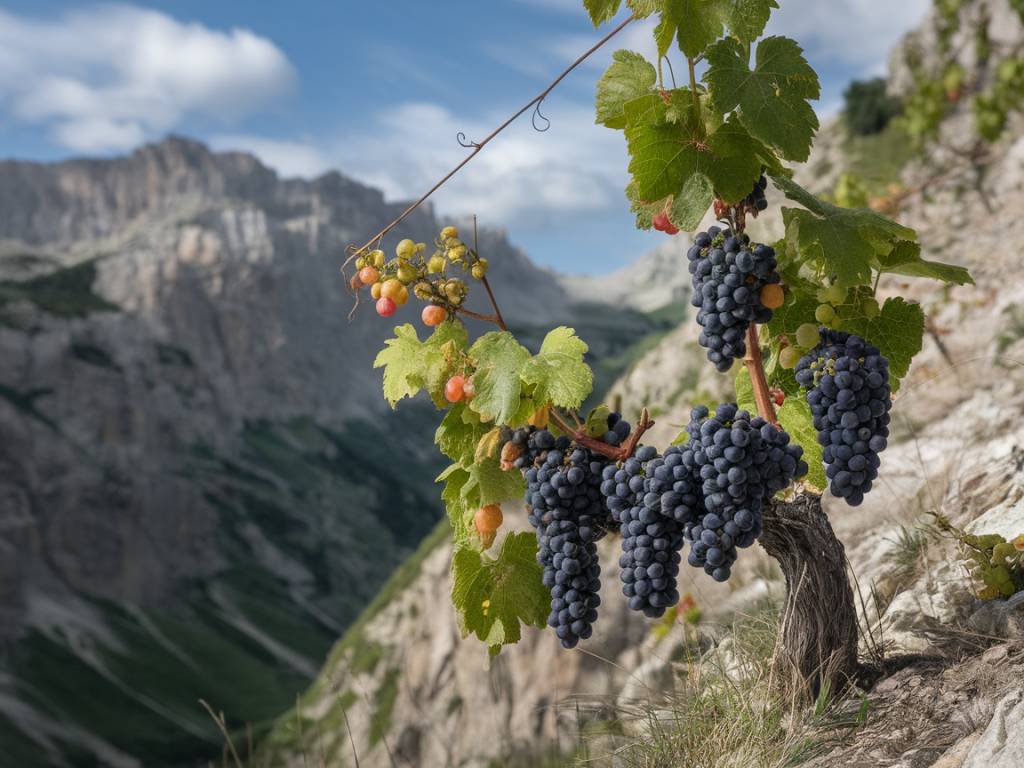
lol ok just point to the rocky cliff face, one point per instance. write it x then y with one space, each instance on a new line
402 689
200 484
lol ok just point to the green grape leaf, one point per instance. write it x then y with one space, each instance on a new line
495 595
697 22
644 8
905 259
746 19
690 205
630 76
745 390
737 161
840 249
795 417
840 241
442 358
898 332
499 362
773 97
601 10
597 421
459 433
460 512
400 359
880 227
558 373
489 484
411 365
662 155
665 156
798 309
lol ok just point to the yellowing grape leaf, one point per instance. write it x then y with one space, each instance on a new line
458 434
495 595
630 76
557 373
499 362
489 484
411 365
460 511
601 10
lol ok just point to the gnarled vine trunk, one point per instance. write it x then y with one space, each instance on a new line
817 641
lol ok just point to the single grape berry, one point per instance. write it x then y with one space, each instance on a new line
433 315
772 296
488 519
386 307
454 389
375 290
468 390
789 357
406 249
662 223
778 396
807 335
449 232
824 314
369 275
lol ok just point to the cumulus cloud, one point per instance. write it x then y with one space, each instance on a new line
115 75
524 177
858 33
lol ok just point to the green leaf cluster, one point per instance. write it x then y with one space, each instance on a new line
511 384
411 365
494 595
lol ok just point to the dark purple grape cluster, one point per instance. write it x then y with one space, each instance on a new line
728 276
756 201
569 516
849 393
742 461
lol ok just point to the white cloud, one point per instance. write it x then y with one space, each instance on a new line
523 177
857 33
114 75
288 158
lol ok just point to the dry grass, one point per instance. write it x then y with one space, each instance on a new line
728 711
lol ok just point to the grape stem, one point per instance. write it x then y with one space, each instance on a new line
621 453
755 365
478 146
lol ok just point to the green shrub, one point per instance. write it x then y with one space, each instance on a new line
868 108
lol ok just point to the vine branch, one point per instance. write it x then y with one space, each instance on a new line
620 453
755 365
498 319
477 147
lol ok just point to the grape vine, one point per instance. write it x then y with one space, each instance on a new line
821 351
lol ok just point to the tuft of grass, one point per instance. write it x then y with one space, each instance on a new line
383 705
728 711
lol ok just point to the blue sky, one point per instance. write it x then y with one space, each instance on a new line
378 91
